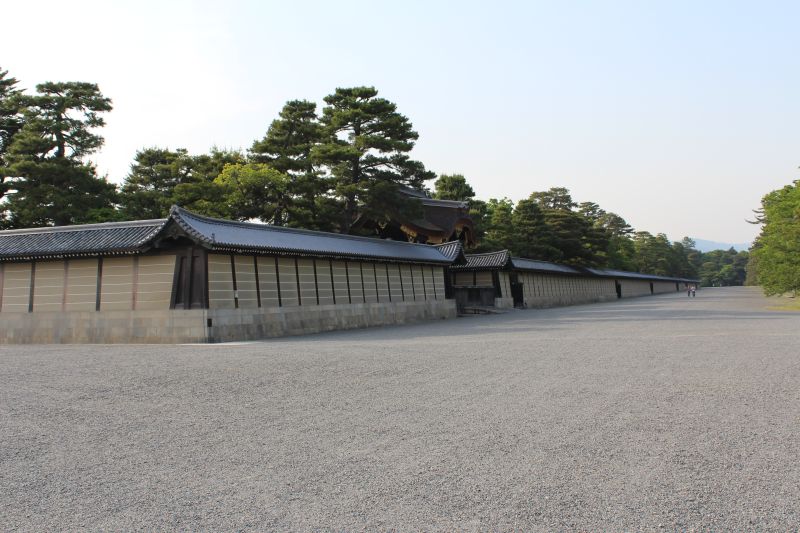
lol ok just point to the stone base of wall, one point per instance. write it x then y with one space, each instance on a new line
103 327
504 303
251 324
191 326
561 301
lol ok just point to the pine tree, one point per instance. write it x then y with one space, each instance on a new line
287 148
50 181
10 114
366 149
533 238
453 187
10 123
500 225
148 190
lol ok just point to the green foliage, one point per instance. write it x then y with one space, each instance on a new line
499 233
777 248
148 190
287 148
256 190
289 140
199 192
366 151
46 178
573 236
160 178
533 237
555 198
722 268
453 187
11 120
653 253
479 213
59 121
560 233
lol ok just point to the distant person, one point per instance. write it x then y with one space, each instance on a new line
688 291
694 290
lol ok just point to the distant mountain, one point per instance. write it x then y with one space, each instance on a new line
706 246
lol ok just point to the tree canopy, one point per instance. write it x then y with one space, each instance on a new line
366 152
453 187
328 171
776 252
48 182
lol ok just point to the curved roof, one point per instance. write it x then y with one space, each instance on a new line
487 261
87 239
214 234
227 235
453 250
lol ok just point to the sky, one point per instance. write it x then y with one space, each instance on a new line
679 116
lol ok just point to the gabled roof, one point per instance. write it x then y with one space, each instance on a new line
109 238
231 236
134 237
488 261
454 251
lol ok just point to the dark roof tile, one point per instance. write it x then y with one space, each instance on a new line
520 263
453 250
88 239
229 235
488 261
610 273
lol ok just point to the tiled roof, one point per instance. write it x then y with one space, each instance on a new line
452 250
226 235
71 241
608 273
520 263
215 234
488 261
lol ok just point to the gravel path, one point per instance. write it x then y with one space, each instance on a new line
639 414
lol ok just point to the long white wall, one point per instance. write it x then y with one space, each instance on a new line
112 283
303 282
548 290
634 287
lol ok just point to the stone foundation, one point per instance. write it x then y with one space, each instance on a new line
236 324
504 303
209 325
565 300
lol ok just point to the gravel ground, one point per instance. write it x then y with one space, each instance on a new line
660 412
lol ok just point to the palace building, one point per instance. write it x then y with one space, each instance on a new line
441 221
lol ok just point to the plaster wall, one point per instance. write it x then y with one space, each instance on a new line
542 290
633 288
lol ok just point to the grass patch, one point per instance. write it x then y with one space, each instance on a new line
784 303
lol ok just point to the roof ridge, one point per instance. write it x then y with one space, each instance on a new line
540 261
180 211
86 227
488 253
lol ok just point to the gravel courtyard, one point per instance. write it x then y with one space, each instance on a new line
639 414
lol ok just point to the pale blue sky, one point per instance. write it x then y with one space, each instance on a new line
679 116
